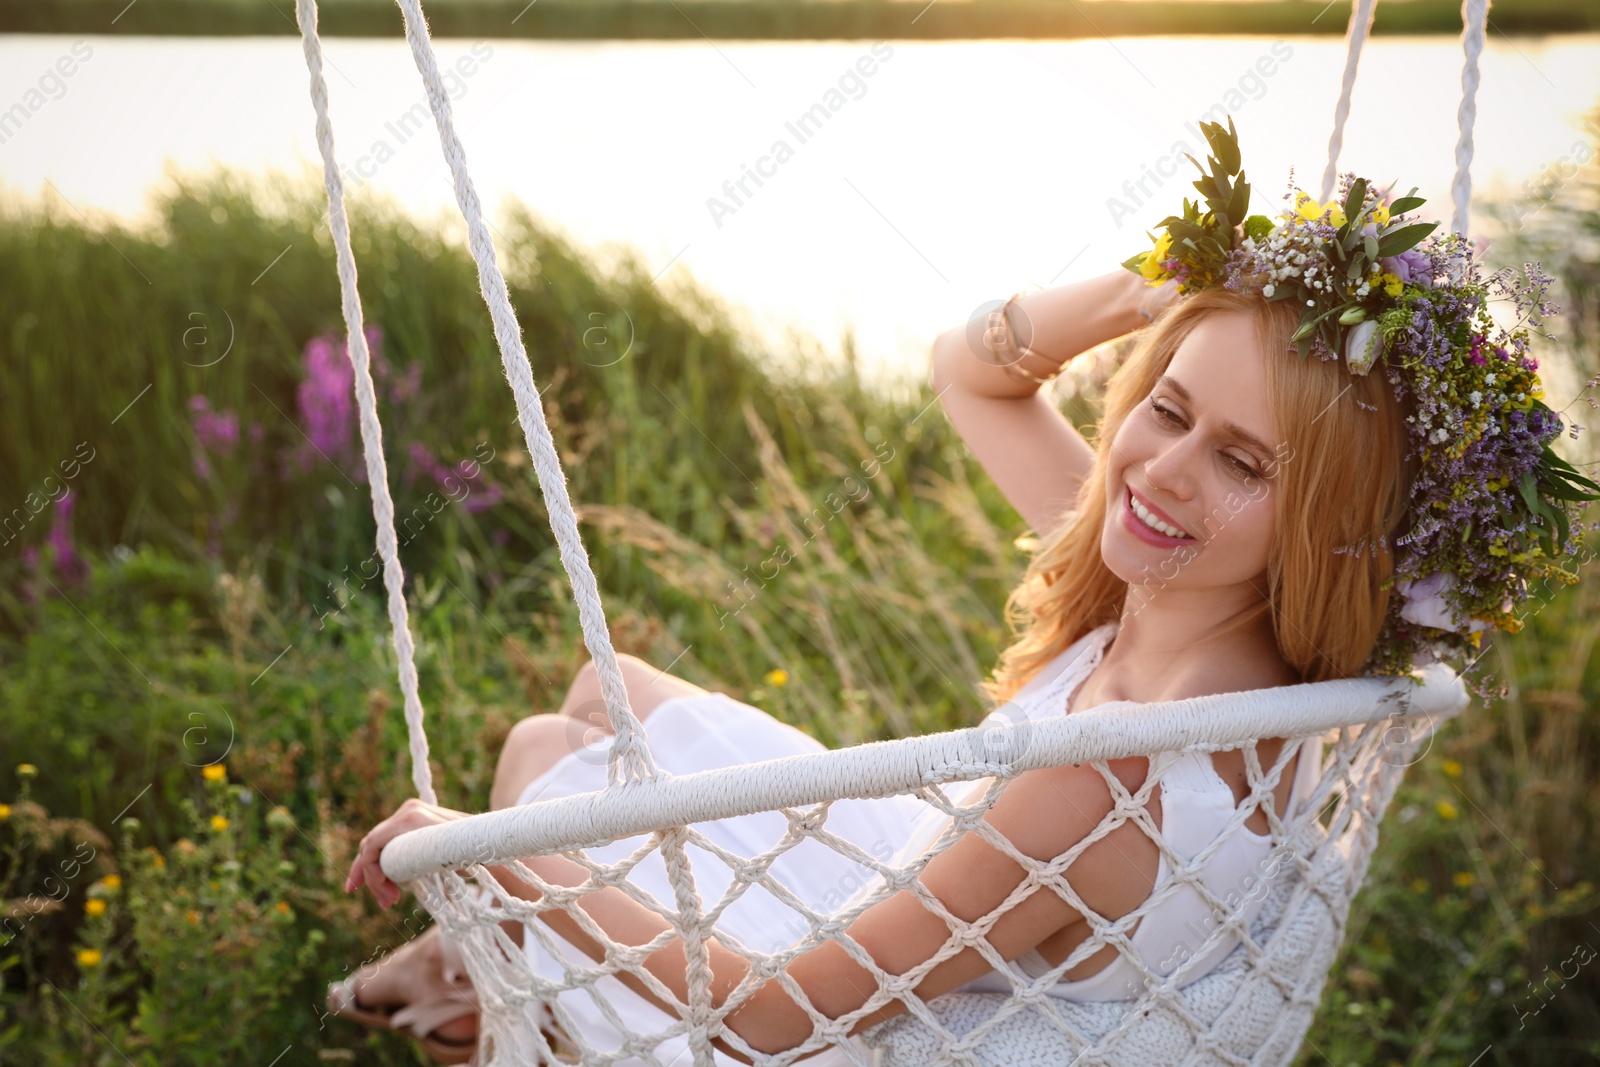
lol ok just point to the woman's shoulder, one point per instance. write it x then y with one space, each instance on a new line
1062 661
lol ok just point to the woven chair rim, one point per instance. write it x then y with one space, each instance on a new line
1113 730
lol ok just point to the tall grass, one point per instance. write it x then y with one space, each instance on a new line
741 519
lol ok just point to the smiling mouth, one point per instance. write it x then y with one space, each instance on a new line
1148 519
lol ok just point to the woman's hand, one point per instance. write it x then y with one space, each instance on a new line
1153 298
412 815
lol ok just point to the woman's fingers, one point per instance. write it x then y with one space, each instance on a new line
367 870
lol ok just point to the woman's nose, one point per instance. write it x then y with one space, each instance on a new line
1172 469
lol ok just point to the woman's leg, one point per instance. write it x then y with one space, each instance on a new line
533 746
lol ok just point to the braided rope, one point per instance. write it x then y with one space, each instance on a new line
1355 36
629 756
1474 16
371 428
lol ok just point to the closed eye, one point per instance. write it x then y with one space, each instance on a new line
1169 419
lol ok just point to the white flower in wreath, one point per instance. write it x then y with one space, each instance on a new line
1363 347
1425 604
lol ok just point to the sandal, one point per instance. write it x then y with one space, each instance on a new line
420 1018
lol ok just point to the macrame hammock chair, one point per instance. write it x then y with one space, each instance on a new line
1253 1008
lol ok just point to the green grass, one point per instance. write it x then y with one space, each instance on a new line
693 461
792 20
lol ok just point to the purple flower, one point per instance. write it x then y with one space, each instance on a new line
479 496
69 566
215 430
325 397
1411 267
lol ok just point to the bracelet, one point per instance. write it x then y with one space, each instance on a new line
1000 321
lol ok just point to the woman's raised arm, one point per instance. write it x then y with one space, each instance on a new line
1033 452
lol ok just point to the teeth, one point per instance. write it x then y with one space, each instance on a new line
1149 519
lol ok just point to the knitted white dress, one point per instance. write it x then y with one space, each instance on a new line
700 732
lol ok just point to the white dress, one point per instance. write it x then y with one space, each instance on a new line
704 731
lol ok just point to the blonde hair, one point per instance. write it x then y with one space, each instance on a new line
1342 487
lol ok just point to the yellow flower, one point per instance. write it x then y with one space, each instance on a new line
1391 283
192 916
112 881
1307 208
283 907
94 906
1152 269
776 678
26 770
1464 879
89 957
1380 215
1446 809
5 811
1451 768
216 772
219 823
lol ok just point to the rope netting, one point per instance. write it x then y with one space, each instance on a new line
1243 993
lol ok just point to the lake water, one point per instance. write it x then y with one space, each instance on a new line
943 175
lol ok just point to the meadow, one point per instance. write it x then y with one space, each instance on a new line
197 686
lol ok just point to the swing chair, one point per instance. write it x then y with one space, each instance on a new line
1359 735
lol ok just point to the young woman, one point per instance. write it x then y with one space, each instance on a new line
1191 550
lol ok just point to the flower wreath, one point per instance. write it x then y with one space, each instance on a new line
1492 507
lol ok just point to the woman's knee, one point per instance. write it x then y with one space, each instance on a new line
533 746
648 687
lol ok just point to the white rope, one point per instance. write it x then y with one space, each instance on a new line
1355 37
371 428
1474 16
629 755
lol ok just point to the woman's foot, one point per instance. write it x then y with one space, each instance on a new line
422 988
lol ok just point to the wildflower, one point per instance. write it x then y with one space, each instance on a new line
69 566
1152 268
1363 347
5 812
94 907
1412 267
279 817
184 845
283 907
216 772
192 915
1451 768
1419 885
26 770
89 957
1464 879
1446 809
777 678
1392 285
219 823
112 882
1307 208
